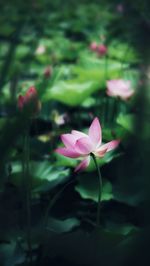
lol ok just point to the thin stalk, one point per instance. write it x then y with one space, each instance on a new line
53 200
105 100
122 61
106 67
100 189
114 109
28 193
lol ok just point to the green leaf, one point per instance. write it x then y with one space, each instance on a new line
44 176
127 122
90 76
11 254
125 53
72 92
88 188
62 226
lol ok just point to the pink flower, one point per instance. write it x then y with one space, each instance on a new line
30 99
101 49
40 50
78 144
48 72
120 8
93 46
119 88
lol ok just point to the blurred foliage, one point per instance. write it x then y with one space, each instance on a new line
46 44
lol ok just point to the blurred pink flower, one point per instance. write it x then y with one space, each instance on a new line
120 8
119 88
40 50
78 144
93 46
48 72
30 99
101 49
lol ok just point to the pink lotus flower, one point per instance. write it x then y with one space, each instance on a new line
101 49
30 99
81 145
93 46
119 88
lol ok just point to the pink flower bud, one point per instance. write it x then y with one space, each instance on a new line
21 102
30 100
101 49
48 72
93 46
120 8
31 93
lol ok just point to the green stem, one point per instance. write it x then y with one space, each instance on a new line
100 189
114 108
106 67
52 202
28 193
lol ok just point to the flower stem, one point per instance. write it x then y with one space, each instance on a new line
100 189
52 202
28 192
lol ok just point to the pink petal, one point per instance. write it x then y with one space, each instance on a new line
112 87
31 93
84 164
68 152
120 88
127 95
93 46
109 146
84 145
102 49
21 102
110 93
95 133
101 153
69 140
78 134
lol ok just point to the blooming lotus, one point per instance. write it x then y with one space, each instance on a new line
119 88
30 99
81 145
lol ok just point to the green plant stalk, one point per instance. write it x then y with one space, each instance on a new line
52 202
114 109
99 191
106 67
28 192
